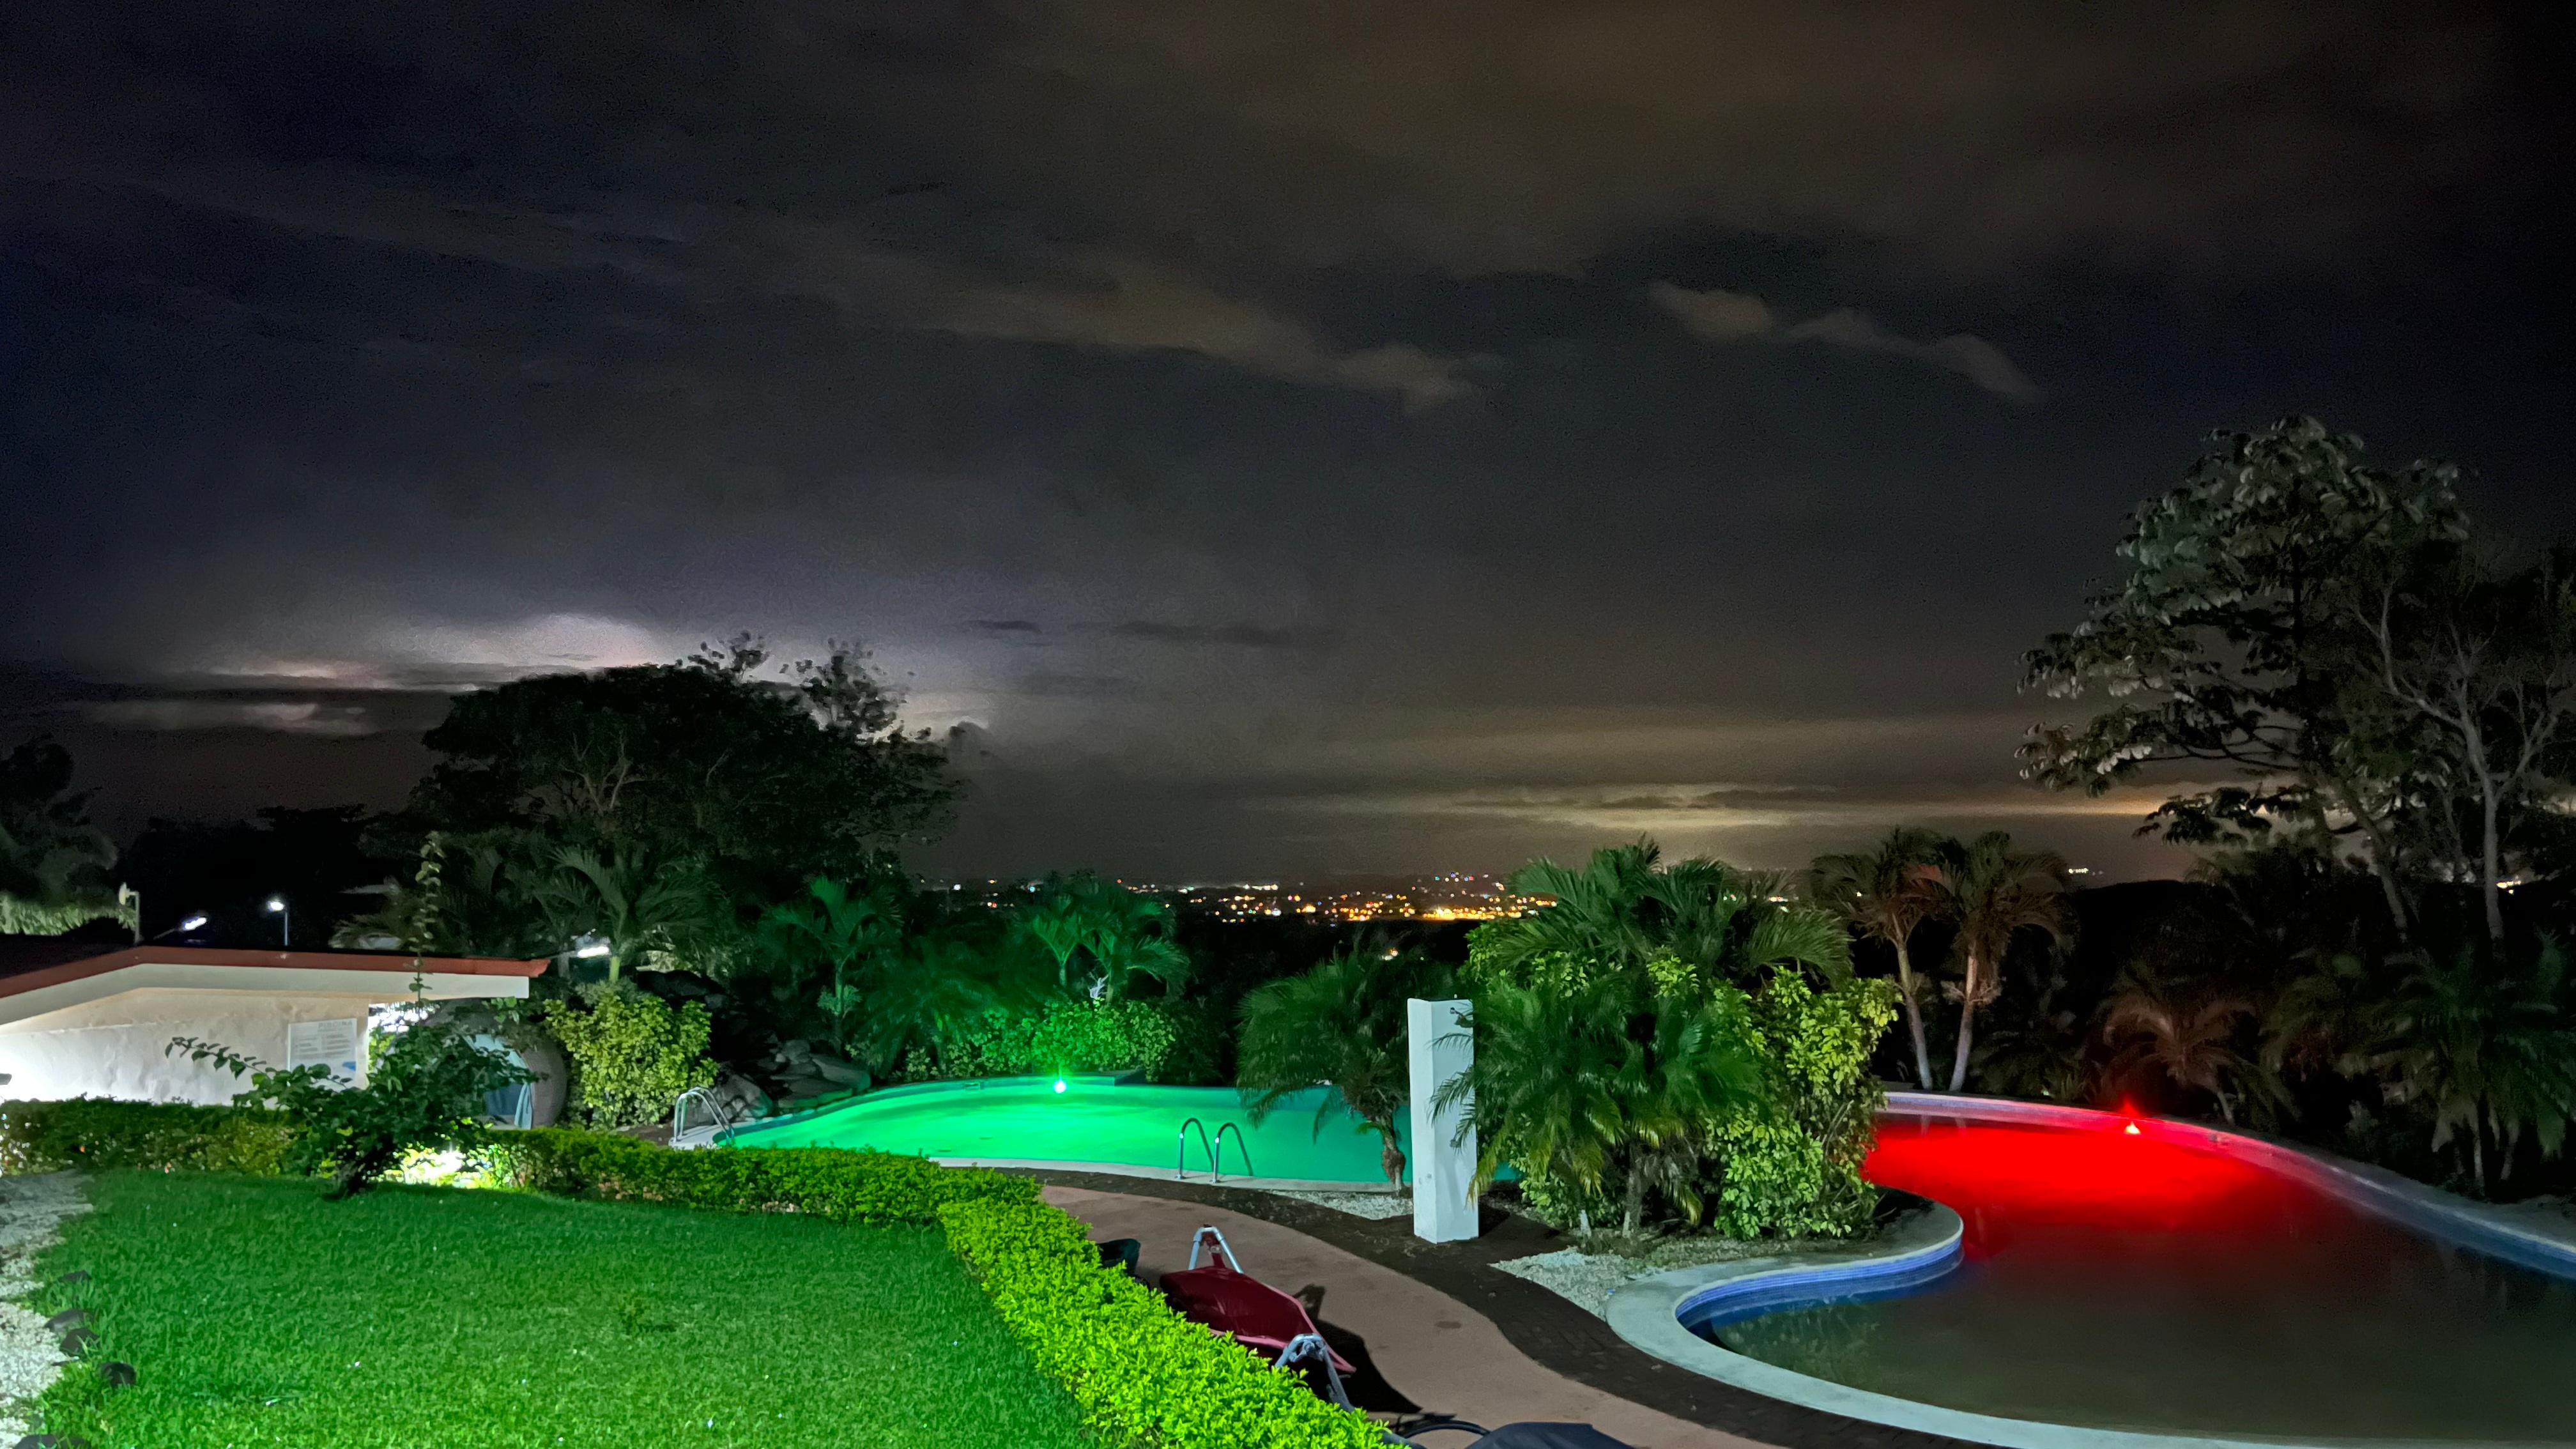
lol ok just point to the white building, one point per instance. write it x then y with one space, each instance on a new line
92 1019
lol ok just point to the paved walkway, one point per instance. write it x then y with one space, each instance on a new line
1424 1344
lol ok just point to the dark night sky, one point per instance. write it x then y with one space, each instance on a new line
1297 437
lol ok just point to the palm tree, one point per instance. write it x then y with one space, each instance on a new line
1342 1024
2488 1049
2191 1044
1624 909
847 931
924 989
1608 1086
1114 932
468 897
644 907
1884 894
1994 893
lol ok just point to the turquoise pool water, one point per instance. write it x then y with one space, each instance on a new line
1093 1120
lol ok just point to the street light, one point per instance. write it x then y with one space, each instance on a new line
193 923
285 921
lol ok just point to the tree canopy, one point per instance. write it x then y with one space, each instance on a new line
769 775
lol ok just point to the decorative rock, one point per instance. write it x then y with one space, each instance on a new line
69 1318
117 1373
77 1342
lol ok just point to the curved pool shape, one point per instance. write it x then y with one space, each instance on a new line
1094 1123
2117 1280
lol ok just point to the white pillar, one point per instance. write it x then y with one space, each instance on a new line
1444 1142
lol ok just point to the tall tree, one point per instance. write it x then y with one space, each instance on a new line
766 774
53 865
2486 657
1885 894
2227 640
1995 892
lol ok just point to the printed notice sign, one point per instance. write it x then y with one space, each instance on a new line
332 1045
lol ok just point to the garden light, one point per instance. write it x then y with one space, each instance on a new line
593 951
1059 1084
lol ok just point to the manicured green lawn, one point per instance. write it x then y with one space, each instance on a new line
257 1314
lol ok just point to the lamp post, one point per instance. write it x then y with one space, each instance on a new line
285 922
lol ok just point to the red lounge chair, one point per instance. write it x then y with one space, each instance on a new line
1256 1315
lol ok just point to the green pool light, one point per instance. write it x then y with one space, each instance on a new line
1059 1084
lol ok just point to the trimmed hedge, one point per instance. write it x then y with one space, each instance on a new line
829 1182
88 1132
1061 1036
1142 1373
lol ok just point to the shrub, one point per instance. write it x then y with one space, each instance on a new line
1063 1036
1141 1373
1793 1169
632 1055
828 1182
424 1093
93 1133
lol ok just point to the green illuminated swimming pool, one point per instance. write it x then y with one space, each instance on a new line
1095 1122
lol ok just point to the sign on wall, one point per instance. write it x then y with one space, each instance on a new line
331 1045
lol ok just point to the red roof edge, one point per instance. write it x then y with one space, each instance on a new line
390 963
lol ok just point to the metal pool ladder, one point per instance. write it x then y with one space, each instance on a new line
1216 1169
712 1134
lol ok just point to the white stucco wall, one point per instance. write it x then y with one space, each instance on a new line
113 1047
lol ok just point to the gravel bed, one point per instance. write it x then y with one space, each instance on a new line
31 1211
1377 1205
1588 1279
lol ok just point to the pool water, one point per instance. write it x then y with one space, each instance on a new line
1025 1119
2118 1281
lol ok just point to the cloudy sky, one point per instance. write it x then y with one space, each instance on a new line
1289 437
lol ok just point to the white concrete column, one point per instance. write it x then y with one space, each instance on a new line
1444 1142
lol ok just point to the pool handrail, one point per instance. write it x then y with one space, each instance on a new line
717 1132
1181 1150
1242 1148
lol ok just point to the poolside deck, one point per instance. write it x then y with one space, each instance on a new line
1424 1345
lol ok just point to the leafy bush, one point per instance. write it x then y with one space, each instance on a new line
1141 1373
1658 1043
424 1092
632 1055
845 1187
1113 1034
1793 1169
92 1133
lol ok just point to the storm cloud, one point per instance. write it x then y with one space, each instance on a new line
1280 438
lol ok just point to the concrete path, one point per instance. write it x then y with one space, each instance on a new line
1428 1346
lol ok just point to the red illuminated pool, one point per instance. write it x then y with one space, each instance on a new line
2117 1280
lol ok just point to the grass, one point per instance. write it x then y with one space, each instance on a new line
255 1313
